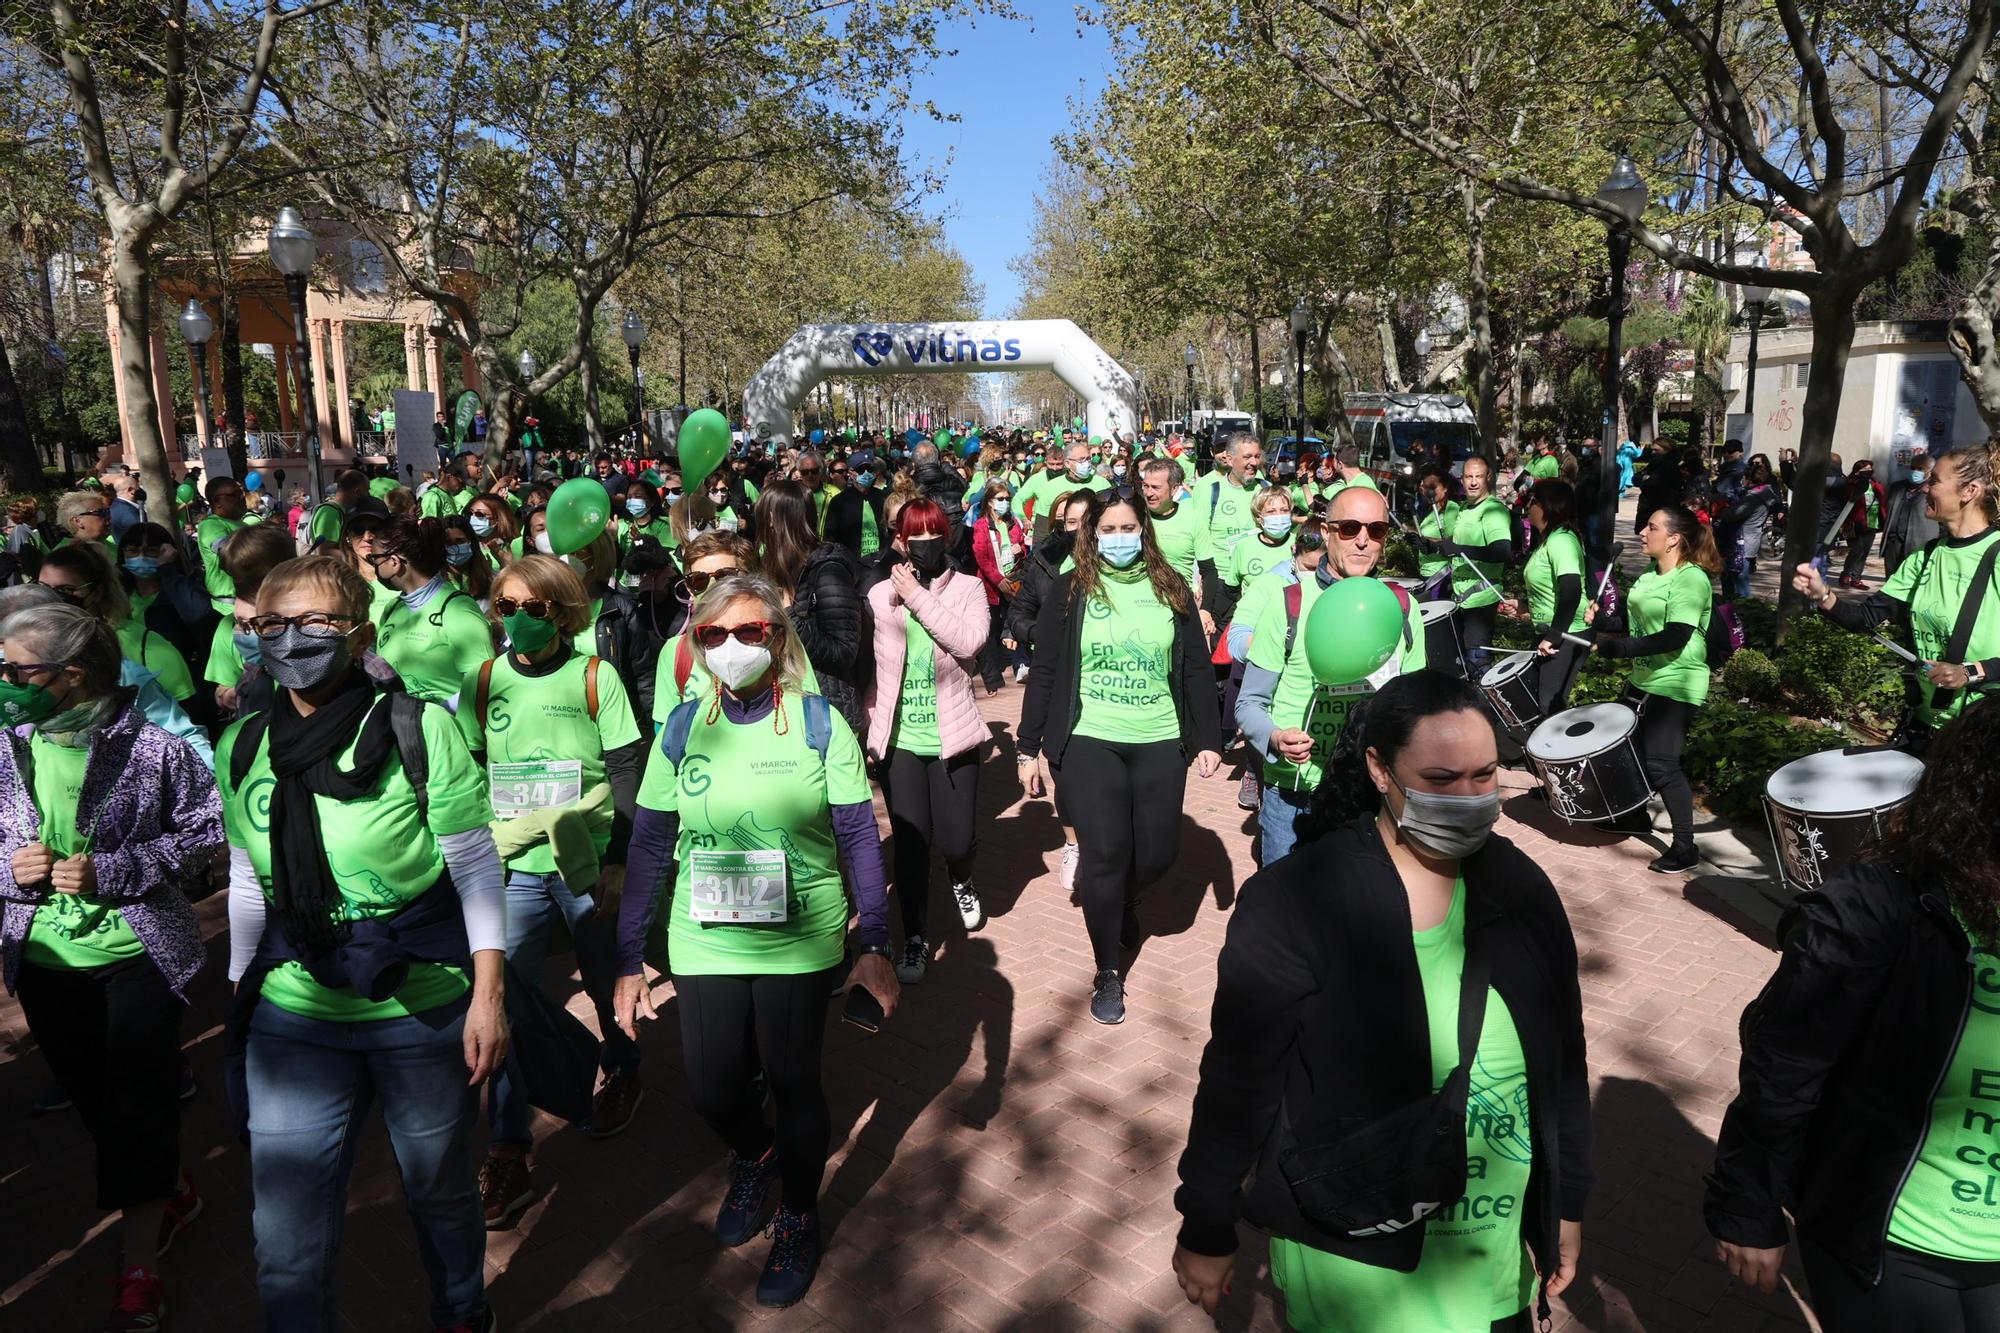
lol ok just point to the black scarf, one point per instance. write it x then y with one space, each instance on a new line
303 753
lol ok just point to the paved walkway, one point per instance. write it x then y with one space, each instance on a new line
1000 1162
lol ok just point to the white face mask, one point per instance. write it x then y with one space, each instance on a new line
737 664
543 545
1000 507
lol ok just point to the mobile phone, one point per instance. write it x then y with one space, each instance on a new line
862 1009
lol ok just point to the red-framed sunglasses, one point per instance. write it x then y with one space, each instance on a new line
753 633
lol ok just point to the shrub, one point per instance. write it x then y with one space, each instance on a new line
1749 674
1829 672
1732 749
1759 619
1677 429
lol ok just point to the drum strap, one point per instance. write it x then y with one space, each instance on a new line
1968 616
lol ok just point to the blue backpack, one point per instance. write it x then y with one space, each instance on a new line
680 722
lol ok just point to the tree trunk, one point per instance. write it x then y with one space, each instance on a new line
233 410
58 371
593 420
1972 339
132 280
1833 336
1479 370
20 466
1385 331
1331 365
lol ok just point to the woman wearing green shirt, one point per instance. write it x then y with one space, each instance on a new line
1480 547
1554 608
1437 520
1122 696
1667 611
643 513
432 633
82 572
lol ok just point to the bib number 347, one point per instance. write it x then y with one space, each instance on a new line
737 888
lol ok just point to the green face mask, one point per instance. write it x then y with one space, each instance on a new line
527 634
24 704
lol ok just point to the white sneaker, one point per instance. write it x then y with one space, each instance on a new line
1020 673
969 909
1066 869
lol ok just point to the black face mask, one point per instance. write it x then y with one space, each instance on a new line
1059 545
927 557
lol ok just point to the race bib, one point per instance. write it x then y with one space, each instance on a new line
737 888
1381 676
534 784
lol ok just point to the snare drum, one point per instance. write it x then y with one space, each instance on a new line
1589 760
1511 686
1441 647
1827 808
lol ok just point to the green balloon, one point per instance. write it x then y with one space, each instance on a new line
1079 423
184 494
1352 629
577 513
704 442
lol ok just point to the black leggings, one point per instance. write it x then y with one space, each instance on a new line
732 1026
1558 673
1124 801
113 1037
1663 732
930 801
1475 636
1917 1294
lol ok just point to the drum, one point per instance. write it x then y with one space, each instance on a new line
1510 685
1590 762
1827 808
1441 648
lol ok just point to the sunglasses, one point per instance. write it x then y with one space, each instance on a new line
535 607
1349 528
94 513
1311 541
752 633
698 581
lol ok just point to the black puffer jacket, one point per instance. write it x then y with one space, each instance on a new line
833 624
1039 573
1841 1053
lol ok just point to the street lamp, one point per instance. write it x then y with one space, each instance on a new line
196 328
1624 191
527 368
1754 298
1424 345
292 251
1301 325
633 331
1187 420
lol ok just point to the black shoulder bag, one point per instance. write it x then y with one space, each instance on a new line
1375 1176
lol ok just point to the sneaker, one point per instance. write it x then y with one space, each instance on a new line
794 1259
188 1086
506 1187
483 1322
1066 868
612 1108
742 1213
1677 861
139 1304
51 1100
1129 930
969 909
1020 675
1250 790
183 1208
916 960
1107 998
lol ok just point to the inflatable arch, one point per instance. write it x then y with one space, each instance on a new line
821 352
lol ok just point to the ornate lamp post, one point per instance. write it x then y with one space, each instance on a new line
1187 418
1423 346
633 331
1625 191
527 368
292 251
196 328
1754 299
1301 326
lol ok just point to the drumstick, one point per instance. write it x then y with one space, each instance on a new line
1578 640
1617 549
1900 651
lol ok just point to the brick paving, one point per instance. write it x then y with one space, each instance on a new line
1000 1163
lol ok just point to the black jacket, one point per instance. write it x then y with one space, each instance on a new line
833 624
1841 1053
843 518
1049 711
1319 1017
1039 573
626 639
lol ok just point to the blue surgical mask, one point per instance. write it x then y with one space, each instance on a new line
672 498
1119 549
636 507
481 525
458 554
864 479
248 647
1082 471
142 566
1277 525
1917 478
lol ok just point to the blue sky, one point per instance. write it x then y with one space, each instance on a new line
1011 85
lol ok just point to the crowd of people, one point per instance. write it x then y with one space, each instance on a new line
421 731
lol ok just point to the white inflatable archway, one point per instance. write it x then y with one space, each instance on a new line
821 352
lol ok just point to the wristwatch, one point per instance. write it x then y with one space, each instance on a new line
1975 673
879 950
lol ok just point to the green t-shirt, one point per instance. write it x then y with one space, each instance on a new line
225 664
547 718
1035 494
1439 526
1544 466
749 787
1259 593
1354 478
381 854
1475 1269
209 536
1560 553
1125 656
434 649
667 691
1934 588
916 727
1225 512
69 930
326 524
379 487
1254 557
436 503
871 530
1482 524
1300 702
1178 534
1950 1205
660 530
1680 598
151 650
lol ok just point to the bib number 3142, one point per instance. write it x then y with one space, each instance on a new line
737 888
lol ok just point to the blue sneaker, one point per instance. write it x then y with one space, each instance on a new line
742 1212
795 1254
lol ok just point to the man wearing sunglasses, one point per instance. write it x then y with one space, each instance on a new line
1287 716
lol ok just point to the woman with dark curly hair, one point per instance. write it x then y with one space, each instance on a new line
1868 1104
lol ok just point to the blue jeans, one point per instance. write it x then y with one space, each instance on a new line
311 1083
1278 819
533 902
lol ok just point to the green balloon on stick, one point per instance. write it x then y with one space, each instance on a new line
577 513
184 494
1352 629
704 442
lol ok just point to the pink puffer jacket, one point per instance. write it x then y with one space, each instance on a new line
953 612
